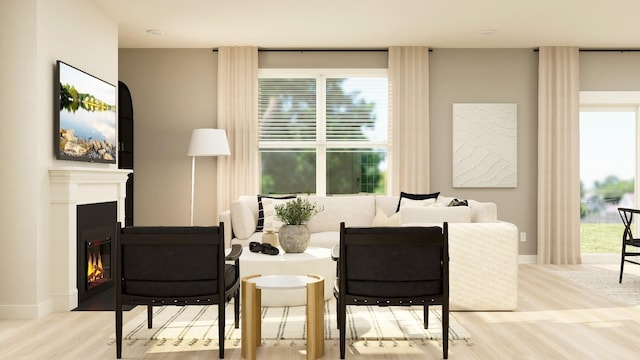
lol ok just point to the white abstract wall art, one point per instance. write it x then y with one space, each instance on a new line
485 145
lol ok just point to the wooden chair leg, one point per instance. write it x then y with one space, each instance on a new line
622 262
342 317
236 309
118 329
445 331
149 316
426 316
221 323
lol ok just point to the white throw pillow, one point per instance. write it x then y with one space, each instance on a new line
405 202
381 219
270 219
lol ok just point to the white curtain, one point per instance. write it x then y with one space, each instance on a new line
238 174
558 156
409 109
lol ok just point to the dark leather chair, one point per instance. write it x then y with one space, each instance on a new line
627 238
393 266
158 266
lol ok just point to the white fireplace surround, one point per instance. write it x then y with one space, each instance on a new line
71 187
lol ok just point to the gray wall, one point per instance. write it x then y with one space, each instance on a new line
173 91
488 76
609 70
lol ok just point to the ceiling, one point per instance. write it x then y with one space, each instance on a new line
372 24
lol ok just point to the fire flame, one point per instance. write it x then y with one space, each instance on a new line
95 271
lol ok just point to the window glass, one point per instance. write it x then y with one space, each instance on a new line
323 132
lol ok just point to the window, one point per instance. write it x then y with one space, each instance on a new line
608 171
323 131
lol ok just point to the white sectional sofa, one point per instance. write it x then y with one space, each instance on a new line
483 251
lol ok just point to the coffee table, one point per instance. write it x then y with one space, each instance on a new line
314 260
252 287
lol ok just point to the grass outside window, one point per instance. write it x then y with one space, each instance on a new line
601 238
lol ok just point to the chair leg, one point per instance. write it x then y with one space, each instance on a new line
221 323
118 329
342 318
622 262
426 316
445 331
149 316
337 312
236 309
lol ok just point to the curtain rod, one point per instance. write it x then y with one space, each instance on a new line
318 50
602 50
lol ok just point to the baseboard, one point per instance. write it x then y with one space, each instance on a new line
26 312
586 259
527 259
600 258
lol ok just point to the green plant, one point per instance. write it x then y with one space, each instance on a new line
297 211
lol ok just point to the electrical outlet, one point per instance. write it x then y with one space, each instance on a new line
523 236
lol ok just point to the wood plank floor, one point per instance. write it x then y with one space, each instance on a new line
555 319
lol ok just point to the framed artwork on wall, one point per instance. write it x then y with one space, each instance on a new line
485 145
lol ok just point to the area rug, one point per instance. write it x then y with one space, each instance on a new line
199 323
604 280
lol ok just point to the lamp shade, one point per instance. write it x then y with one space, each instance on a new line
208 142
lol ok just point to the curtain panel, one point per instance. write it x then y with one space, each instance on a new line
239 173
409 114
558 156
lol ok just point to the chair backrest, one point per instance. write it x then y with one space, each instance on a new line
626 215
394 262
171 261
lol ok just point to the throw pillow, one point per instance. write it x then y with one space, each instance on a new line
406 196
456 202
381 219
261 211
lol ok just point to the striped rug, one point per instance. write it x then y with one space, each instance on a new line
199 323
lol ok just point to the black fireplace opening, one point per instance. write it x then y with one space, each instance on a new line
96 231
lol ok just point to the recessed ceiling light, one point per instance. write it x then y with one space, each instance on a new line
487 32
154 32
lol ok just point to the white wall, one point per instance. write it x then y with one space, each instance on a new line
36 33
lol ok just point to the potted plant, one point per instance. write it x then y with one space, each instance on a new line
294 235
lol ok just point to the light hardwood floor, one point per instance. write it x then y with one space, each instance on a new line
555 319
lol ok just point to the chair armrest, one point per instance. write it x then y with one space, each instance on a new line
335 252
236 251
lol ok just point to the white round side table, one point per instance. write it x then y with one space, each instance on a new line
314 260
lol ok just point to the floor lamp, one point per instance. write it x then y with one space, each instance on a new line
205 142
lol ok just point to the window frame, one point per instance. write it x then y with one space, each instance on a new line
320 144
617 101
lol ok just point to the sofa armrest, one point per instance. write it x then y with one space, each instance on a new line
225 218
335 252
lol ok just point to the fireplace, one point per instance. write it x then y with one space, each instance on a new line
96 226
71 189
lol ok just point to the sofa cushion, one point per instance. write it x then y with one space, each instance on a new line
382 219
483 211
244 219
408 196
434 214
353 210
387 203
325 239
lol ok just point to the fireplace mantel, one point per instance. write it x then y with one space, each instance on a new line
70 187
